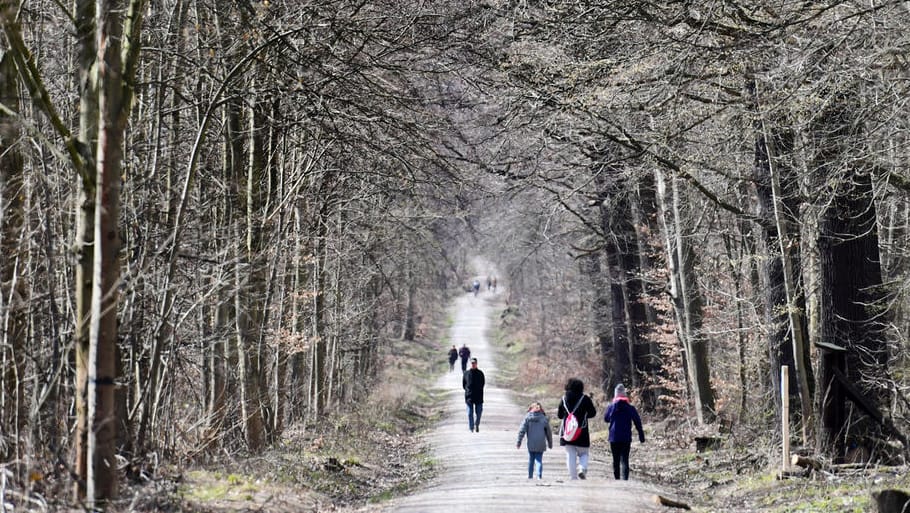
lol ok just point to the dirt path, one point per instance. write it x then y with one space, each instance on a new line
484 472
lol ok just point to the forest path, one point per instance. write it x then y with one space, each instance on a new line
484 472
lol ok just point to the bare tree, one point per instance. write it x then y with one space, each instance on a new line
13 290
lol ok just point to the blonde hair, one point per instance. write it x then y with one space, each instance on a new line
537 405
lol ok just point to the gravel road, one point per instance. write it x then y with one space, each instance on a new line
484 472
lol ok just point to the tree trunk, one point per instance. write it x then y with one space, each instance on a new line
85 233
410 323
297 389
851 296
13 293
620 244
687 301
118 27
621 361
600 316
784 303
252 288
318 393
646 355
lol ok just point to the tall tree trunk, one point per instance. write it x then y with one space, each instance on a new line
13 293
297 389
784 303
319 350
600 315
85 232
118 27
621 358
851 295
646 356
619 242
687 301
251 307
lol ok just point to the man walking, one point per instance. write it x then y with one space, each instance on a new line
473 381
453 355
464 353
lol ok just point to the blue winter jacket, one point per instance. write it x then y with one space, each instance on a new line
620 414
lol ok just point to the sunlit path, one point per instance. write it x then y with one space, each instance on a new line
484 472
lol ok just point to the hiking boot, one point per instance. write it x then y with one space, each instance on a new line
581 474
477 428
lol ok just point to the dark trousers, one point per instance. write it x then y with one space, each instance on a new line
620 451
475 410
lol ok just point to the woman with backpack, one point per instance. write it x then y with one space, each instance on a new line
575 408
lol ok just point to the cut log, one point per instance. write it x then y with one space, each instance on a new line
845 467
806 462
892 501
787 474
663 501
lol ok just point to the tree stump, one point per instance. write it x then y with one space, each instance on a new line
892 501
706 443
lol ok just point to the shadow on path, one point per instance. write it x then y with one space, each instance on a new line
484 472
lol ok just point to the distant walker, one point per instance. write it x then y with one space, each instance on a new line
473 382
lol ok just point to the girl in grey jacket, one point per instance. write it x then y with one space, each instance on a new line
540 437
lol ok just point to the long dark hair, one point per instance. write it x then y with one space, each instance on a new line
575 386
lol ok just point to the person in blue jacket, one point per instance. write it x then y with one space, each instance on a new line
621 415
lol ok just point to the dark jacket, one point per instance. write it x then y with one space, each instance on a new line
473 382
537 426
584 412
621 415
453 355
464 353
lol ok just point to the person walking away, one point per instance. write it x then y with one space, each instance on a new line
582 407
621 415
465 354
475 287
453 355
494 284
473 382
489 283
536 425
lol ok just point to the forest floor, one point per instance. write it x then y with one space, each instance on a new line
362 459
